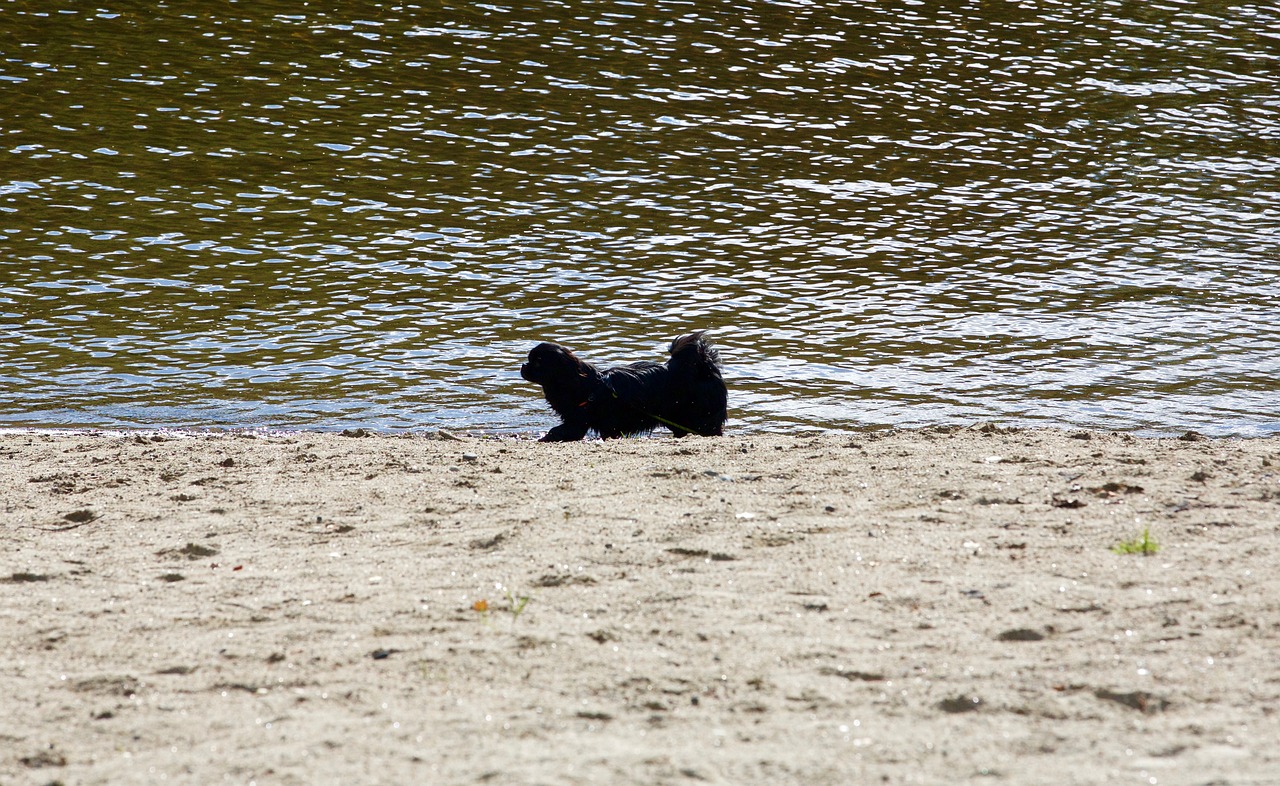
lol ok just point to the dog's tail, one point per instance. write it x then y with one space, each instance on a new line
695 372
692 356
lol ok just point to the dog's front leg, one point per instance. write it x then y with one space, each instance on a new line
566 432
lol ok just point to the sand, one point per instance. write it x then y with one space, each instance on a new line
937 606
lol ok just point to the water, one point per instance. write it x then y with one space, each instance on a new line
1054 212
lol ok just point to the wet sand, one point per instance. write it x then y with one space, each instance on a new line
937 606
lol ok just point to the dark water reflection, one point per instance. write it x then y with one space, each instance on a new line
323 214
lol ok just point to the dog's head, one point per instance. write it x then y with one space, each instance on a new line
549 363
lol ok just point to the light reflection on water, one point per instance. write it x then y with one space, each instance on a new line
366 213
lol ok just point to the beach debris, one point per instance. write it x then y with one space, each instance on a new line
355 432
382 654
959 704
997 501
1088 608
490 543
74 519
709 556
1066 502
172 577
561 579
25 578
774 539
470 457
1021 634
1139 700
1113 489
191 551
48 757
853 675
515 606
109 684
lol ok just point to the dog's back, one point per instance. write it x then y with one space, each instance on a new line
631 396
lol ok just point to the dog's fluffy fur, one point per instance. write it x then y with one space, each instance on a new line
687 395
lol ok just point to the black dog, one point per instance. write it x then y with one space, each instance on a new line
687 395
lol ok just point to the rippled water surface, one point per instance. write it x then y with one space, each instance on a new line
365 213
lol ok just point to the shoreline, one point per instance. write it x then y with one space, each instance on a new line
942 605
1254 431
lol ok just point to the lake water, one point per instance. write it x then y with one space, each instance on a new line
330 214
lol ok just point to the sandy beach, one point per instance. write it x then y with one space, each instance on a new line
935 606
